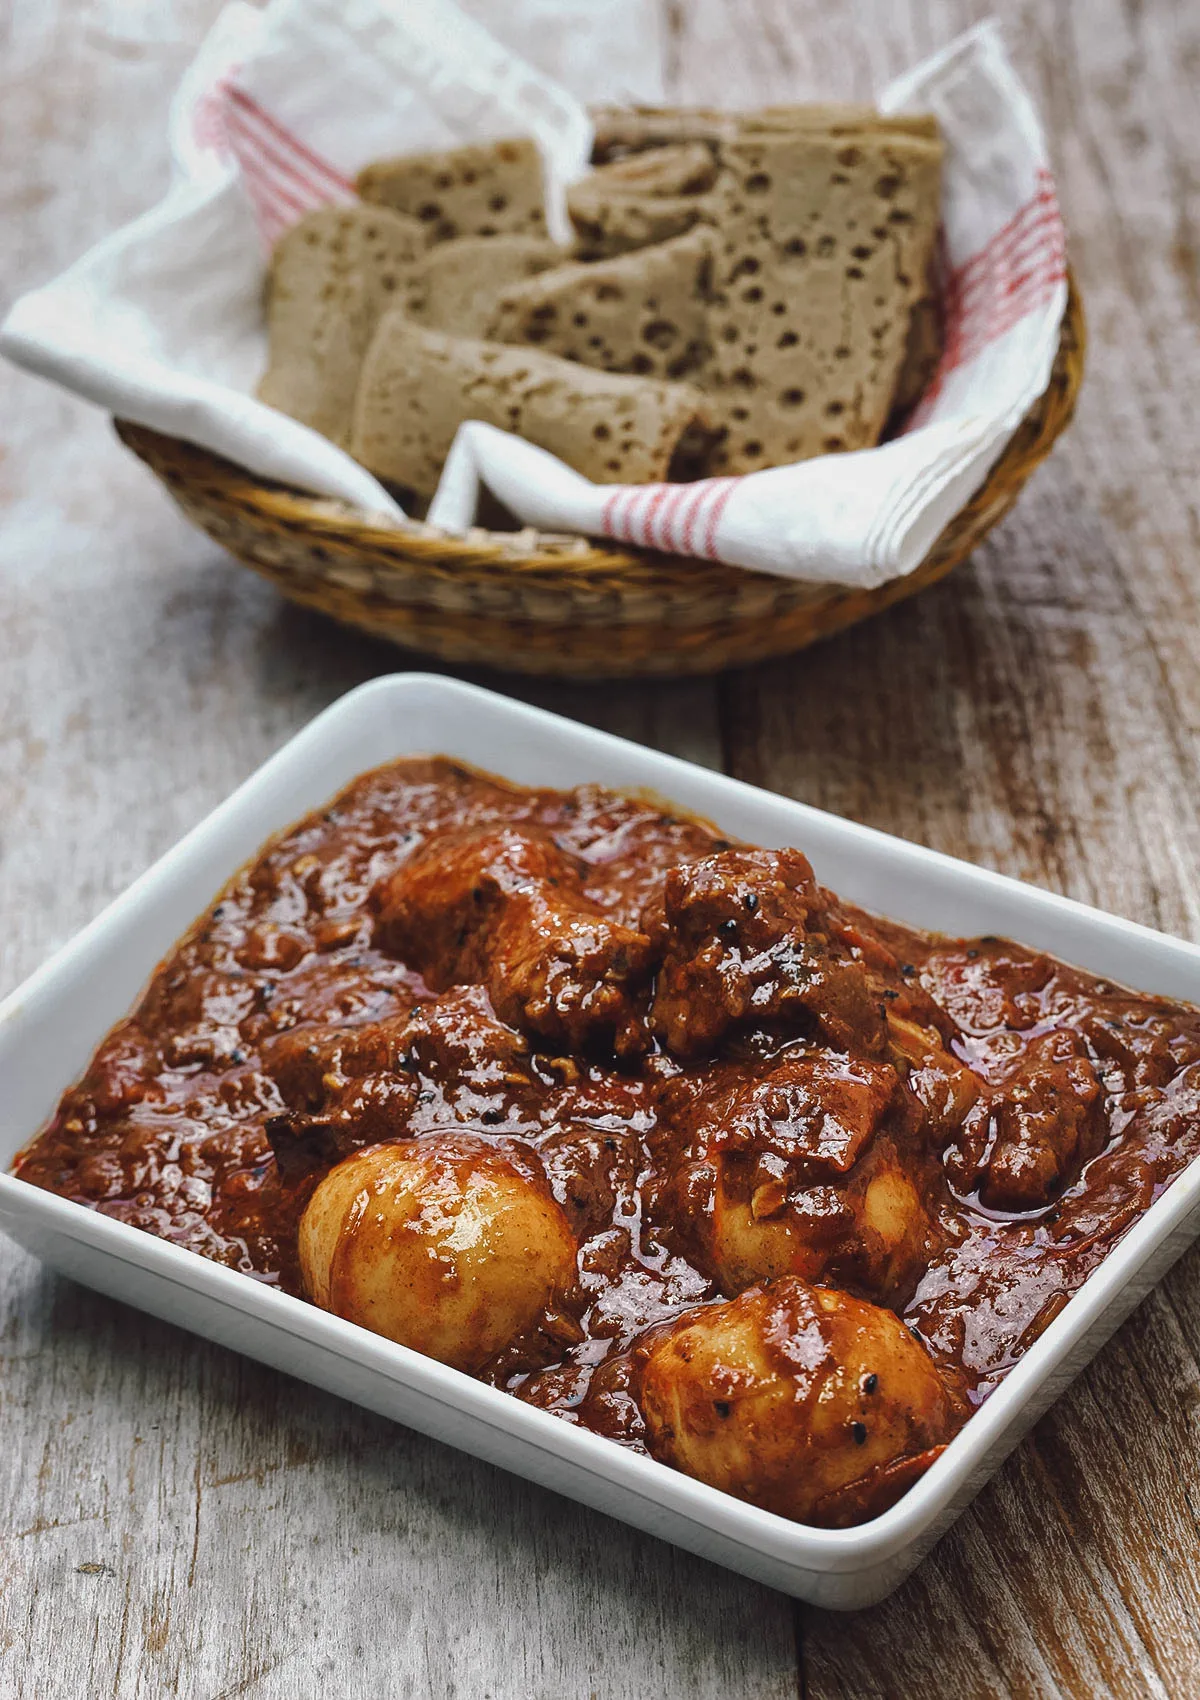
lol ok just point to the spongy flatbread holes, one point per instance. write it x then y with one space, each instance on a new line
644 312
456 286
418 386
826 240
484 189
332 276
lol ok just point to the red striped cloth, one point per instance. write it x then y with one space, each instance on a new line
283 176
1011 276
679 518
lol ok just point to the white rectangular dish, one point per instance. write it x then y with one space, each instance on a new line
50 1026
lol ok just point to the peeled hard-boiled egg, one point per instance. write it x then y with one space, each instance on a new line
449 1245
797 1398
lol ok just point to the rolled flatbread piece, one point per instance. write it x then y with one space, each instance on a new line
680 168
418 386
644 312
456 286
606 225
641 199
623 130
826 241
332 276
483 189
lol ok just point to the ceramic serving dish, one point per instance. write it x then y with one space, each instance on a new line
50 1026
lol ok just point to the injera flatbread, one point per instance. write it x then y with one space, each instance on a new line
641 199
483 189
825 245
682 168
331 277
419 385
838 119
457 284
621 131
645 312
922 353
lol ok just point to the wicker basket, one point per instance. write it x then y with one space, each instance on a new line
531 603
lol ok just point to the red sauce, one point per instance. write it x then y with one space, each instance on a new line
730 1061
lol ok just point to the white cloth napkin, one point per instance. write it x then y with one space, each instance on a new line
162 322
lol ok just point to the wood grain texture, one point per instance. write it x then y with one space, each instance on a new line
174 1520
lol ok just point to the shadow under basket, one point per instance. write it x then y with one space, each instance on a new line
528 602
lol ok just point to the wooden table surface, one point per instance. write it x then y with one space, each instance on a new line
176 1520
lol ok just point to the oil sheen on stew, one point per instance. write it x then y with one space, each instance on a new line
642 1126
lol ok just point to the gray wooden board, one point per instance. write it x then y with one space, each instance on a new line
175 1520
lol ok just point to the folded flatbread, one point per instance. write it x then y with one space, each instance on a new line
826 240
483 189
457 284
619 132
418 386
332 276
838 119
642 198
922 353
645 312
679 168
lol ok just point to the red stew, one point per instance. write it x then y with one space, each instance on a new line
730 1082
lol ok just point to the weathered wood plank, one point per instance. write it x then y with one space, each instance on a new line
1038 713
174 1520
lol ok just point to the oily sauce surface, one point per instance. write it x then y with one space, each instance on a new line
708 1123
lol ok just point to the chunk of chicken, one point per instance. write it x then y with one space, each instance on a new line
800 1399
1026 1140
346 1087
505 909
946 1090
744 947
819 1167
310 1065
448 1244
